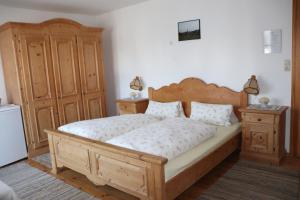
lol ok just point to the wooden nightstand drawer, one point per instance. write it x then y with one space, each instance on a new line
258 138
126 107
132 106
258 118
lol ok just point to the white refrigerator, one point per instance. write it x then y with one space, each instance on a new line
12 139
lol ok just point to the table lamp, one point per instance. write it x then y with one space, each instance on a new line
136 84
251 87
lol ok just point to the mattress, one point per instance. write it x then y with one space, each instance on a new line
185 160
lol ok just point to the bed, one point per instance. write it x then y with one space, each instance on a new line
145 175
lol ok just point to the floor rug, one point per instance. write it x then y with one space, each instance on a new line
248 180
245 180
32 184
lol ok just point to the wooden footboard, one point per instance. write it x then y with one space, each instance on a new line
136 173
133 172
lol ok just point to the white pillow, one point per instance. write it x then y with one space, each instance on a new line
181 111
233 118
163 110
216 114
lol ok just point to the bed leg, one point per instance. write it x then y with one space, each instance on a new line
54 169
159 182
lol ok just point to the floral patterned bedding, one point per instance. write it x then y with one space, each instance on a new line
168 138
104 129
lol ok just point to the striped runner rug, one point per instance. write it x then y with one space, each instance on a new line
32 184
248 180
44 159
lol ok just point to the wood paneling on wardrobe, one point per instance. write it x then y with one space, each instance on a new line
91 75
39 90
54 70
68 90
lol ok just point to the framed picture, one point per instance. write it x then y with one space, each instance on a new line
189 30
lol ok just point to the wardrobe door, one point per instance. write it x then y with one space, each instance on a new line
40 90
91 71
65 63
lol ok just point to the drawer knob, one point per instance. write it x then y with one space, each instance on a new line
259 119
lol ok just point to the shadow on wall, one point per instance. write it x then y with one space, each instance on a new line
109 73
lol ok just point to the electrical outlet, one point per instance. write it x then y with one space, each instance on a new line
287 65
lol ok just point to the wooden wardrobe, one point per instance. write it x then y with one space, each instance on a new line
54 70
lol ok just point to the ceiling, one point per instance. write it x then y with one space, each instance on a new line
88 7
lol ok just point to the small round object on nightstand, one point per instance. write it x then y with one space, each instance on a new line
133 95
264 101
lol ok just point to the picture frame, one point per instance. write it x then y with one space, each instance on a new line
189 30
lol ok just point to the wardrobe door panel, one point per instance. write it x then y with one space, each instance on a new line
38 66
45 117
90 63
91 71
35 56
71 110
65 62
94 106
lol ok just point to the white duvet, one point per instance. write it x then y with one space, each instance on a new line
168 138
104 129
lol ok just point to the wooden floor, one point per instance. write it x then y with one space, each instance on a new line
204 183
291 163
108 193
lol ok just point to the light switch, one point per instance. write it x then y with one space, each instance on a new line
287 65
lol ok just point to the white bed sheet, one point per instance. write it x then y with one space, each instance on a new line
187 159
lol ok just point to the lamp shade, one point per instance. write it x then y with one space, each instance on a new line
251 87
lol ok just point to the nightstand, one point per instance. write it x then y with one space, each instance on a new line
132 106
263 134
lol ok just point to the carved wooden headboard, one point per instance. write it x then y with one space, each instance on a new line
194 89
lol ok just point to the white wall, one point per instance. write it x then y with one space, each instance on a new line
26 15
142 40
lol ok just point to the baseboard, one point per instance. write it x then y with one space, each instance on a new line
38 152
290 161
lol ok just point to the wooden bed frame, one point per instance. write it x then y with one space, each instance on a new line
138 173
